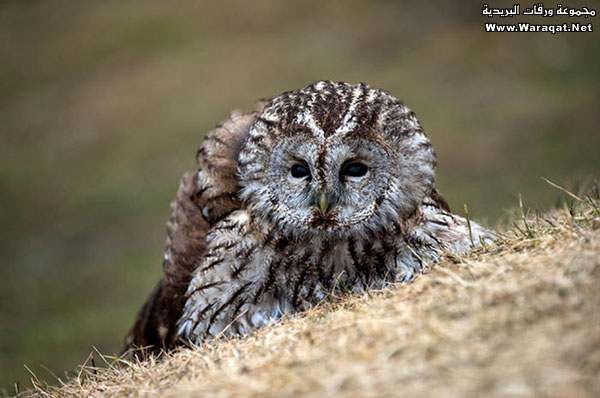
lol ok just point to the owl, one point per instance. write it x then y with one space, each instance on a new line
327 189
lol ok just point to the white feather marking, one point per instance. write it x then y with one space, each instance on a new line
306 118
372 95
239 217
349 123
270 114
319 86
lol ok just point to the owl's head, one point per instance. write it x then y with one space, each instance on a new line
335 158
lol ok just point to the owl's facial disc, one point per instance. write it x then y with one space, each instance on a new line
332 185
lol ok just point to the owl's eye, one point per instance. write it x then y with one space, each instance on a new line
354 169
300 171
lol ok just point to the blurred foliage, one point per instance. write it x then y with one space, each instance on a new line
103 105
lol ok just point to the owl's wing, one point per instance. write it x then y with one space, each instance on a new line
203 198
444 230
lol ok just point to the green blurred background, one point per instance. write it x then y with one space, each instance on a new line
103 104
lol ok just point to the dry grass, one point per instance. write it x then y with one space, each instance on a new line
520 318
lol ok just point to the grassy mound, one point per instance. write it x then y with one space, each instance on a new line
519 318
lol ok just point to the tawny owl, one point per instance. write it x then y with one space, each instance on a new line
324 189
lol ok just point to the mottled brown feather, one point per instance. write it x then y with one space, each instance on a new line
439 200
215 195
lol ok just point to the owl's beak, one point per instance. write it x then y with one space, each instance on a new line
323 202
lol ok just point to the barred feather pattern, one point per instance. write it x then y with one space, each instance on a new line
270 243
